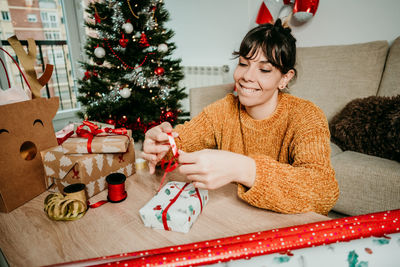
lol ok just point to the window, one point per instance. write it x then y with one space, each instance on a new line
32 18
49 19
5 15
50 35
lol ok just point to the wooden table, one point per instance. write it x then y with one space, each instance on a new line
30 238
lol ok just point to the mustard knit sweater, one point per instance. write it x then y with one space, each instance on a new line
291 150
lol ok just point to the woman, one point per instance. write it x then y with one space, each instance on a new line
275 146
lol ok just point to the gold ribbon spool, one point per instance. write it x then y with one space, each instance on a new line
68 207
140 164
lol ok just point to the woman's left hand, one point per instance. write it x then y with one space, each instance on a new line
211 169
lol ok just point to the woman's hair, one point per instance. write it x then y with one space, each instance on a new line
275 41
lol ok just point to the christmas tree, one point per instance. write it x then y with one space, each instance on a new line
130 77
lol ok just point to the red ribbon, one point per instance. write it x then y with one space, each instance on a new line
170 168
164 214
94 130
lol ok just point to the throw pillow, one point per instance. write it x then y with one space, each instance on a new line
369 125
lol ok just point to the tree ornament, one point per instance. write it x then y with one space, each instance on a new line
143 40
162 48
164 93
127 27
99 52
125 92
123 42
110 121
159 71
87 75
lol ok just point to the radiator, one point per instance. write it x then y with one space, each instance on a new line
199 76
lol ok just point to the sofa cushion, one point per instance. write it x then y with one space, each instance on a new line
367 184
369 125
201 97
390 84
335 149
331 76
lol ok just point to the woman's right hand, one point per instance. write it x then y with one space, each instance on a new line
156 145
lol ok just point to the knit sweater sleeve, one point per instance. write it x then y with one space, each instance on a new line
307 182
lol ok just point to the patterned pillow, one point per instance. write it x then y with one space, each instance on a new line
369 125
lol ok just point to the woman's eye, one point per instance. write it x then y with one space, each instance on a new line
242 64
265 71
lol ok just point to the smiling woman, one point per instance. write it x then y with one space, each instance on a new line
275 146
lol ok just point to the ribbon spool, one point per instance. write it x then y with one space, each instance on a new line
116 190
116 187
75 191
68 207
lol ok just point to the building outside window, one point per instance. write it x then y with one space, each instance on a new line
5 15
53 47
32 18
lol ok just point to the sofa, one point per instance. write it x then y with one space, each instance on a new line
331 77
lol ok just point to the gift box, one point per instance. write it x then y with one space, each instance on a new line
91 138
100 144
62 169
175 207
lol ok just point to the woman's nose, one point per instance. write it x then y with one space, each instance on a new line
248 75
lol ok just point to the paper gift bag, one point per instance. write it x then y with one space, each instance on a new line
62 169
25 129
175 208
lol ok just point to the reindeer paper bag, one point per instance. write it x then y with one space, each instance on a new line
25 129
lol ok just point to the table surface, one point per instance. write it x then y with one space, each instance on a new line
30 238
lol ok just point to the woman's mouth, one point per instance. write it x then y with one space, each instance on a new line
248 90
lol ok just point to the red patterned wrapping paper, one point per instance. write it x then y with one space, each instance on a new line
260 243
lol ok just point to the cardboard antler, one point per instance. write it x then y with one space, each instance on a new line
28 63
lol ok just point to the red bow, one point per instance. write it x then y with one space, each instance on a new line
94 130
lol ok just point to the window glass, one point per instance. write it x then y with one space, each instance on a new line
5 15
32 18
42 22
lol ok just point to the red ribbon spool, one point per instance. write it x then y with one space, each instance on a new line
116 187
116 190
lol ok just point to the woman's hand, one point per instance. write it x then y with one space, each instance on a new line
156 145
211 169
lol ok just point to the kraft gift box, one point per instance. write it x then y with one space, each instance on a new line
103 143
62 169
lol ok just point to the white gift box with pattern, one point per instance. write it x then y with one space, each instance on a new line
62 170
175 207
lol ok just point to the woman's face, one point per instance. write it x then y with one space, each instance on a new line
257 81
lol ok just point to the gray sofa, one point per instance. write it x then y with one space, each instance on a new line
332 76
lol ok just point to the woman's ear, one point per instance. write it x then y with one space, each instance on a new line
286 79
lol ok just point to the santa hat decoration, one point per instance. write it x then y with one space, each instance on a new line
304 10
269 10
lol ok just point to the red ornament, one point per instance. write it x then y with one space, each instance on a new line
97 18
143 40
159 71
123 42
110 121
87 75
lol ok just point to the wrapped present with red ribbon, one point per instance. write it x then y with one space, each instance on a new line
62 170
175 207
90 138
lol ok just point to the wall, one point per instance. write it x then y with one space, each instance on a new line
207 31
